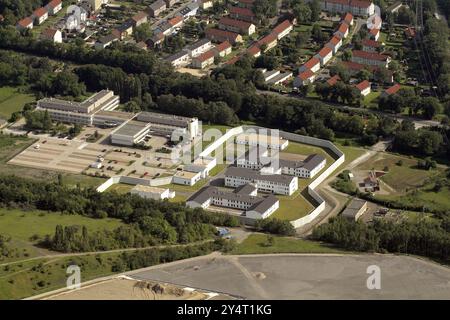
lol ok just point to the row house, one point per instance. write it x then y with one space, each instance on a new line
348 19
334 44
370 58
283 29
243 14
391 90
342 31
53 7
26 23
51 34
238 26
140 18
363 87
222 35
179 59
333 80
156 8
363 8
254 51
370 45
204 60
223 49
270 41
324 55
304 78
312 64
374 34
40 15
199 47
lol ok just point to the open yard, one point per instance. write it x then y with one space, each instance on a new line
292 207
11 100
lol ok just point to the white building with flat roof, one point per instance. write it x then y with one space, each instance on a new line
154 193
165 124
186 178
130 133
262 140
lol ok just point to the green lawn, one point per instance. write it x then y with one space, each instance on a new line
11 100
293 207
121 188
258 244
306 150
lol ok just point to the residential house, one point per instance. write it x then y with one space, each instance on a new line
190 10
342 31
156 40
363 8
283 29
270 41
51 34
199 47
106 41
391 90
40 15
223 49
204 60
179 59
370 45
170 3
238 26
26 23
243 14
206 4
140 18
334 44
370 58
279 78
254 51
176 22
222 35
53 7
363 87
374 34
324 55
348 19
125 29
333 80
156 8
304 78
312 64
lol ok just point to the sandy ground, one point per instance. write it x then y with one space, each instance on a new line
129 289
308 276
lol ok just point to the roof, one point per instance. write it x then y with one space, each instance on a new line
245 189
360 3
255 175
175 20
157 5
264 205
40 12
353 208
312 161
369 55
254 50
162 118
242 11
374 31
306 74
235 23
222 33
150 189
311 63
132 128
139 16
198 44
233 60
223 46
335 40
343 28
332 81
370 43
54 3
25 22
282 26
177 55
393 90
268 39
49 33
324 52
107 39
348 17
363 85
205 56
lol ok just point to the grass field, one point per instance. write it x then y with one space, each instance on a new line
258 244
292 207
11 100
305 150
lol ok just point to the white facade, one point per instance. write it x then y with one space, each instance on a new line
186 178
154 193
265 141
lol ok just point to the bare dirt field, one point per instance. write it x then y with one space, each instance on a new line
307 276
123 288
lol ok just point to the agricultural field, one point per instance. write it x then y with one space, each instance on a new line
261 244
12 100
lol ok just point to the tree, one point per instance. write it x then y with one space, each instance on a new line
302 12
315 10
142 32
430 142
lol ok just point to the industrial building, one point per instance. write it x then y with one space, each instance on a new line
242 198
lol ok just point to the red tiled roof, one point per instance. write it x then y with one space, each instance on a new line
205 56
242 11
348 17
306 74
360 3
139 16
233 60
223 46
392 90
374 31
54 3
369 55
49 33
343 27
282 26
363 85
253 50
335 40
370 43
235 23
25 22
311 63
267 39
40 12
324 52
176 20
332 81
221 33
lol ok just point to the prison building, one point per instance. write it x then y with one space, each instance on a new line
166 124
267 141
130 133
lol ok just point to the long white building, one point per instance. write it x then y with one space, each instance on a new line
273 183
363 8
165 124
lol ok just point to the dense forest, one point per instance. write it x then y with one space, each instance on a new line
426 237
